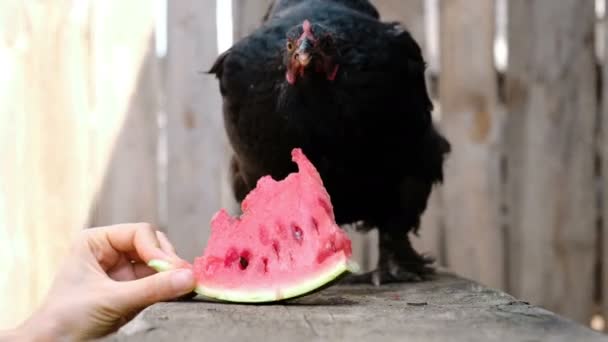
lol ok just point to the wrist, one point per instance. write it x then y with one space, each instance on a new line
40 327
11 335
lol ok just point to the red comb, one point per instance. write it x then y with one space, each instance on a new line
307 28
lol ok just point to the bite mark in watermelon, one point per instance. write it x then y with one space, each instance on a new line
284 245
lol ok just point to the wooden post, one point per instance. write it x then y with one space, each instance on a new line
195 133
410 13
248 15
468 91
126 103
551 83
44 178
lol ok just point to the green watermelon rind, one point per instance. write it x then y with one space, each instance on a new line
160 265
330 274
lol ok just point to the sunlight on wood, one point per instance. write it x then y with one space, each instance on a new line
123 121
63 98
160 29
224 25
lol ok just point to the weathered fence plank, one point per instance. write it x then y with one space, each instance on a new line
410 13
44 179
195 133
552 113
126 93
248 15
468 92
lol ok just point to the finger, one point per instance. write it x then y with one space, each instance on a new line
122 271
165 244
139 237
142 271
168 248
133 256
126 270
158 287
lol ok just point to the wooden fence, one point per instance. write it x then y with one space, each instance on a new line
95 129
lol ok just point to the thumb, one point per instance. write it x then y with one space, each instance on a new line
158 287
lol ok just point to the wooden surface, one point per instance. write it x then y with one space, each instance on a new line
552 109
470 121
446 309
195 134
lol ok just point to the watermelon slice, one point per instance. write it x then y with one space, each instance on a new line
285 244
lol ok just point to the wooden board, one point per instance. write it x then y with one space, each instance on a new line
410 13
44 180
71 72
248 15
447 309
195 134
550 133
124 124
468 92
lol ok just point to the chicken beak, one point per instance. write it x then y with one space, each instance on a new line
303 54
304 59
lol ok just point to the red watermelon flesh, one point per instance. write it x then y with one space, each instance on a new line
285 244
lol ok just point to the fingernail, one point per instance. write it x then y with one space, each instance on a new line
182 280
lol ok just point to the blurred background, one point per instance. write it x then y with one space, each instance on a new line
107 117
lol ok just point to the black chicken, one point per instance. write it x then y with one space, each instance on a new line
329 77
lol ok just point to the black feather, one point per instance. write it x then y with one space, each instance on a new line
369 132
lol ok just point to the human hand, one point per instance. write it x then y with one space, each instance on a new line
104 282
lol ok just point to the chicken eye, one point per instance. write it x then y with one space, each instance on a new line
290 46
